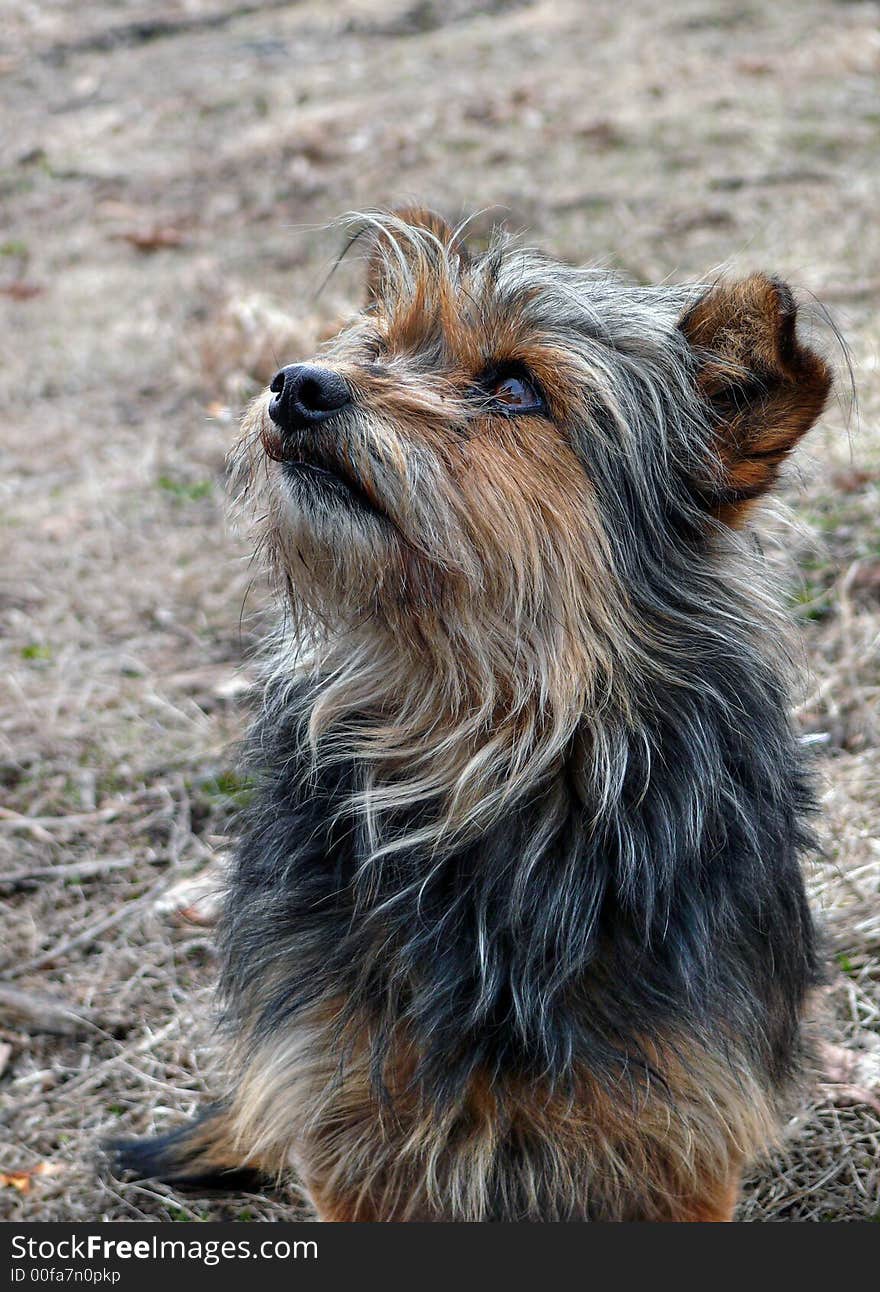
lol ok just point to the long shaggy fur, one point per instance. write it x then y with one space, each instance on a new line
517 927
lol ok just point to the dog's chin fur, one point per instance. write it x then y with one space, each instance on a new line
517 926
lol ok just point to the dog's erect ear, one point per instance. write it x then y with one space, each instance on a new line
398 244
764 387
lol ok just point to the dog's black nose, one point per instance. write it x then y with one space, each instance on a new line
305 395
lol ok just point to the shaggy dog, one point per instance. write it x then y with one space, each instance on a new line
517 928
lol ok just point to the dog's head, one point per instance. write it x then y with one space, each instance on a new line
505 498
500 435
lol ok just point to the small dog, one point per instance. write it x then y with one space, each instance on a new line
517 928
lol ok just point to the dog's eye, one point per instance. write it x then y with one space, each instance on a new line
516 394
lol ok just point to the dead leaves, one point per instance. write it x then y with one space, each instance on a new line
20 289
22 1180
198 898
157 237
147 231
851 1077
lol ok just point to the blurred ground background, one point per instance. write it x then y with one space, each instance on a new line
163 169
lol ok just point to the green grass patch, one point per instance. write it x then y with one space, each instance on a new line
228 788
810 602
184 490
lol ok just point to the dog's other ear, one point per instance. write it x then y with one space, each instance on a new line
764 387
400 244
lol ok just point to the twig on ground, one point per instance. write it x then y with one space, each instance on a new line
73 870
32 1012
10 820
82 939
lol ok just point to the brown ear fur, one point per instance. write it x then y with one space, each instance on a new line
419 217
766 389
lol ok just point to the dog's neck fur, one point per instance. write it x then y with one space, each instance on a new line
461 728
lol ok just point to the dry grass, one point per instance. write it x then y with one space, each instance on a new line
150 277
